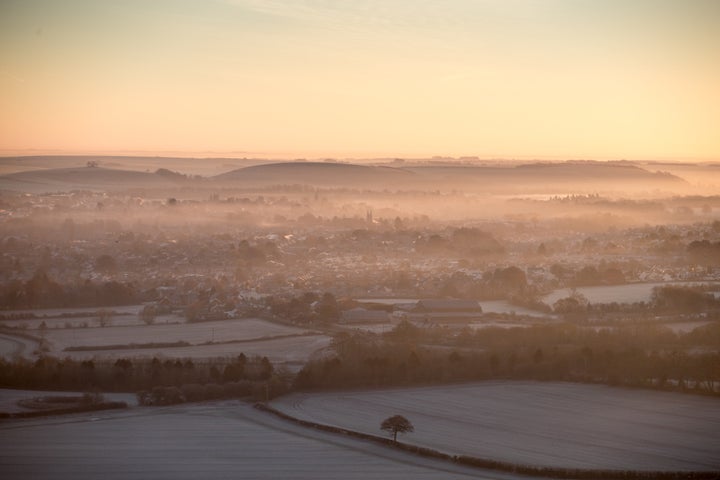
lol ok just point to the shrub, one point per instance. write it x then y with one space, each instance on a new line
193 392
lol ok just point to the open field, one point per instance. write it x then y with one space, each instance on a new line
626 293
192 333
294 350
227 440
488 306
226 338
547 424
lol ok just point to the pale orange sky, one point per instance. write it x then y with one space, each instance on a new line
310 78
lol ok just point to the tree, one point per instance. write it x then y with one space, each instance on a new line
395 424
148 314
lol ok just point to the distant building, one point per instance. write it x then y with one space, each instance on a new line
448 306
362 315
445 312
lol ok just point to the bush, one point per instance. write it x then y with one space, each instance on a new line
193 392
166 396
237 389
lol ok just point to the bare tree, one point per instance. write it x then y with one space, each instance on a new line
395 424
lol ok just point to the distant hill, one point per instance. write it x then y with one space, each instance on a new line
532 178
316 173
189 166
537 177
85 178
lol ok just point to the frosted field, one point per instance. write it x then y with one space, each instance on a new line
501 306
627 293
193 333
548 424
227 440
488 306
281 350
280 343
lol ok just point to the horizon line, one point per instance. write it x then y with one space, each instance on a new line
287 156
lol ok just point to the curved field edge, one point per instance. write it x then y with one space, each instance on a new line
489 464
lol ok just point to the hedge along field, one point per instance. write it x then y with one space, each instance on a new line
541 424
228 440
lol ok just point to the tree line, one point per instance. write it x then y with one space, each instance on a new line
656 358
155 380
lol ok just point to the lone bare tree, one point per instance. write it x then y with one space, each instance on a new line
395 424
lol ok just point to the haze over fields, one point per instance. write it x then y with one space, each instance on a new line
359 239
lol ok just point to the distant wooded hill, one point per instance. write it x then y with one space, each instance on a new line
556 178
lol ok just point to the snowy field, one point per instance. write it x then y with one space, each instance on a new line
548 424
227 440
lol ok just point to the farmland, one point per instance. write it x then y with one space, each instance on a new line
546 424
192 333
224 440
294 349
625 293
127 337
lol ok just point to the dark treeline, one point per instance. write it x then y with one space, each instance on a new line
160 380
705 252
41 291
648 357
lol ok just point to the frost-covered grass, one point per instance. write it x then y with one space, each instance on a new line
227 338
488 306
193 333
280 350
625 293
546 424
229 440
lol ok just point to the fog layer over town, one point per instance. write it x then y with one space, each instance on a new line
142 283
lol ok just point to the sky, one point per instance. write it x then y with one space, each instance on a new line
602 79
